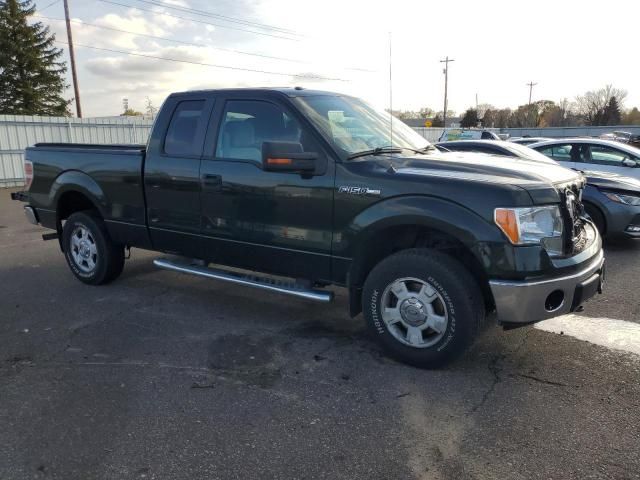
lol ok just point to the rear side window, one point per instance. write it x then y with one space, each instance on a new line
561 153
183 129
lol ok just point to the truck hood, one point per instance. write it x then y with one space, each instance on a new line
481 167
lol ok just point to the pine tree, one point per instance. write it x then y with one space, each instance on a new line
470 118
612 114
31 73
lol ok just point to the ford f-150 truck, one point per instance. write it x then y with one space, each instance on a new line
313 189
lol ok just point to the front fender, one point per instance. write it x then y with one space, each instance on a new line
497 257
431 212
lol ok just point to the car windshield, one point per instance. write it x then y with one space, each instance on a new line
353 126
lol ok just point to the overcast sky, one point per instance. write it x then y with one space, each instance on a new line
567 47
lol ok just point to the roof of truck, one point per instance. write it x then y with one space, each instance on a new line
288 91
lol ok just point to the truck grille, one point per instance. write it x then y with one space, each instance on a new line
573 213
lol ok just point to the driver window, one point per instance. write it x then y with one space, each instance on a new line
248 123
601 155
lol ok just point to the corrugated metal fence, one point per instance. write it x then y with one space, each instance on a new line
18 132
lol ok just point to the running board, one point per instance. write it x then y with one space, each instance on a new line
272 285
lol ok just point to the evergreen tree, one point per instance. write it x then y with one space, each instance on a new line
612 114
31 73
470 118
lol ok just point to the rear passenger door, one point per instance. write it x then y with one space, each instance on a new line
172 175
278 222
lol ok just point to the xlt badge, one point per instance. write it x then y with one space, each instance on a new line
359 190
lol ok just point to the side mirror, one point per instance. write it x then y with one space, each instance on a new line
627 162
287 157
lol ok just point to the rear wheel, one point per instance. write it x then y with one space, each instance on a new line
422 306
90 253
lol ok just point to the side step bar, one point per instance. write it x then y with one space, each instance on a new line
272 285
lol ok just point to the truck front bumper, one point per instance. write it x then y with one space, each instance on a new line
522 302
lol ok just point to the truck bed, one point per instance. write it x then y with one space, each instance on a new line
110 174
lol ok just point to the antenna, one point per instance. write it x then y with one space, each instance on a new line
390 97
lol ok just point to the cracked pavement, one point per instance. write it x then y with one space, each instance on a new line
165 376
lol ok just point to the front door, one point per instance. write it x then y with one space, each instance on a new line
278 222
172 176
604 158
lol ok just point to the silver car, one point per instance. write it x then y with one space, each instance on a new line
593 154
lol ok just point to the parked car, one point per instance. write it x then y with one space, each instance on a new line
632 139
611 200
451 134
528 140
317 187
593 154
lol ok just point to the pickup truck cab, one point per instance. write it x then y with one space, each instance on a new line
322 189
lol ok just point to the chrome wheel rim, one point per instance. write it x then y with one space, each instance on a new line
84 251
414 312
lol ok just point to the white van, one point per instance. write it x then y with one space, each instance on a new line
451 134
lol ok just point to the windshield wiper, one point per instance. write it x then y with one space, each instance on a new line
375 151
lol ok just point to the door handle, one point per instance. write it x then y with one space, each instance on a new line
212 181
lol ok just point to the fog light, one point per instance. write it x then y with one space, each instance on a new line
554 301
633 228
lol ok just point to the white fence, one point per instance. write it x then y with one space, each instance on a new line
18 132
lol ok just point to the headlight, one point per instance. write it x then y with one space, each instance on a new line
620 198
532 226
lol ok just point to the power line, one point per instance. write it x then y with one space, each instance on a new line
219 16
146 35
201 21
50 5
182 42
229 67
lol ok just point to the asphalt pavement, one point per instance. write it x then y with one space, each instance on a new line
165 376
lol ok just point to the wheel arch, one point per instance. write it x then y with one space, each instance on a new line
429 223
75 191
588 204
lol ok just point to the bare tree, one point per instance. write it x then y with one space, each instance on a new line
484 108
592 106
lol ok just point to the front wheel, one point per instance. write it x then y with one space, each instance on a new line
423 306
90 253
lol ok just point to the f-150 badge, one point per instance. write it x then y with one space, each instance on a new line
359 190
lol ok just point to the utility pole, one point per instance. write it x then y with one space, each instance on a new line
446 86
76 89
531 85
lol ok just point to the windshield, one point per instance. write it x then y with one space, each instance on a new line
353 126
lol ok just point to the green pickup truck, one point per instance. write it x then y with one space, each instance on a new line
313 189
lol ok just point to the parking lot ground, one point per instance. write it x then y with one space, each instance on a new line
166 376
